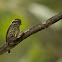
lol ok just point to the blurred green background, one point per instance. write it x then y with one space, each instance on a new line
44 46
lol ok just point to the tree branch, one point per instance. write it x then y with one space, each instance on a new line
31 31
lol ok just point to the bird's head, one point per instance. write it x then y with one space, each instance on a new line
16 21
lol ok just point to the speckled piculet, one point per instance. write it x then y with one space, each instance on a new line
13 30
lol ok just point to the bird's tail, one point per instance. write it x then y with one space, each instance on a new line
9 51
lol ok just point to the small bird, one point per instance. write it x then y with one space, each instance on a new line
13 31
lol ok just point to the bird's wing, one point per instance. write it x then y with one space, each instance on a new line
7 33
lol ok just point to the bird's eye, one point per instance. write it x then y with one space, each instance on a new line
13 21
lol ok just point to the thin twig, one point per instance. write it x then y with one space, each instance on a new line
31 31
